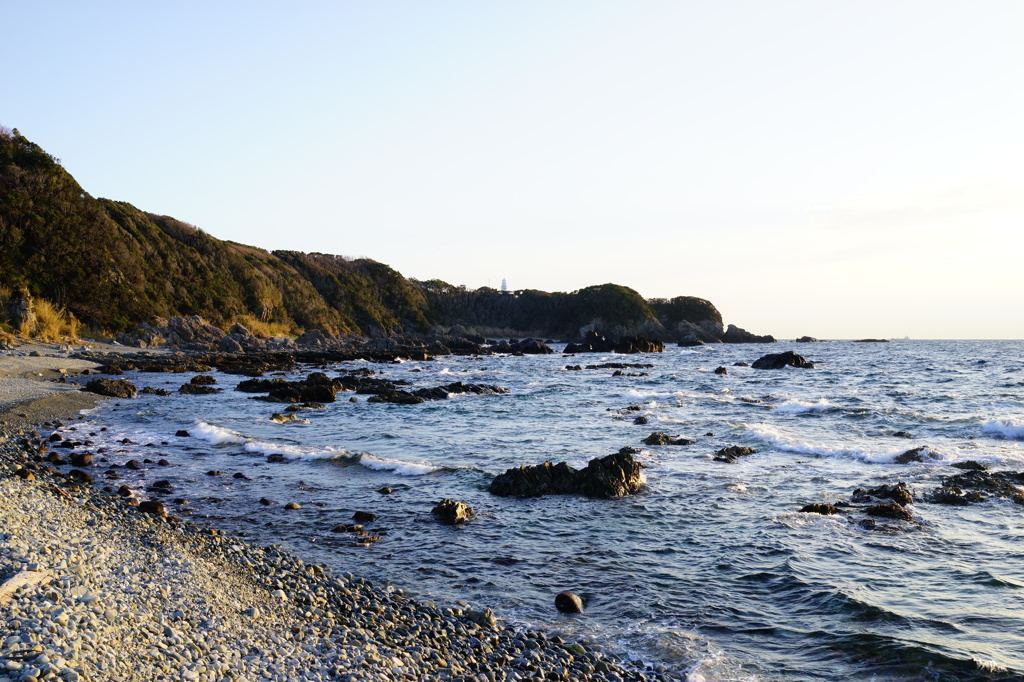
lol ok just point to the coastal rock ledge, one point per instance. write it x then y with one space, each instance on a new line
611 476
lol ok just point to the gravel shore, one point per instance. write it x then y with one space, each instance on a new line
139 596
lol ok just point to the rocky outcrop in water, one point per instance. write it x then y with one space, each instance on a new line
658 438
736 335
452 513
594 342
732 453
115 388
612 476
977 485
899 492
780 360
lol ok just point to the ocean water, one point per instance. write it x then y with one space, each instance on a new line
710 571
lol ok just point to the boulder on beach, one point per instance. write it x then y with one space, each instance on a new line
452 512
612 476
115 388
780 360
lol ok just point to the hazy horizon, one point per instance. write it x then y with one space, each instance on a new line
839 171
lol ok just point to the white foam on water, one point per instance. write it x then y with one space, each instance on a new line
1011 429
803 407
291 451
400 467
219 435
216 435
785 442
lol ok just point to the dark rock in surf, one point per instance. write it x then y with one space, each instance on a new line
612 476
969 465
899 493
115 388
780 360
824 509
198 389
721 370
807 339
978 485
658 438
452 513
890 511
81 459
915 455
397 397
567 602
203 380
182 433
364 517
733 453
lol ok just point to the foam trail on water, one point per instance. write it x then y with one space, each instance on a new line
398 466
291 451
216 435
1010 429
787 443
802 407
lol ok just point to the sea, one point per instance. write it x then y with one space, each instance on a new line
711 571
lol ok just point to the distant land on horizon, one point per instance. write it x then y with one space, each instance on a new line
114 266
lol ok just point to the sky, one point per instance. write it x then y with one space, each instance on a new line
835 169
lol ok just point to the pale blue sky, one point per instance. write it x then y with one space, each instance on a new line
827 168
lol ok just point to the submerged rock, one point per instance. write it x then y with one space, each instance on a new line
612 476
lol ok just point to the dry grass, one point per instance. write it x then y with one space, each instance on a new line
263 330
54 323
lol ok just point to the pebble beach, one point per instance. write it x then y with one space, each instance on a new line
120 594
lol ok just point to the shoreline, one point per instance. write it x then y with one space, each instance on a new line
136 596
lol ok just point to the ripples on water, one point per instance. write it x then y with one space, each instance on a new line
710 570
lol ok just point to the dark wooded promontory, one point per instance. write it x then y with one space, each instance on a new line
115 266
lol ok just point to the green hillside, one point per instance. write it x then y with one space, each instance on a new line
114 266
